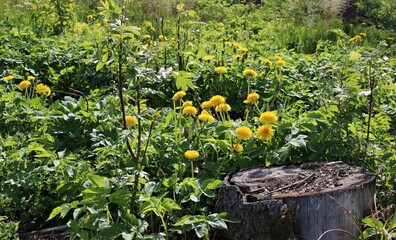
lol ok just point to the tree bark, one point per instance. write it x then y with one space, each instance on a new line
307 202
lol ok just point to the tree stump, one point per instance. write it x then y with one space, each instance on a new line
308 202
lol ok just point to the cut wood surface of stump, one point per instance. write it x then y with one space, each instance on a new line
308 202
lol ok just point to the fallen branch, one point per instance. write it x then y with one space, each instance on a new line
52 230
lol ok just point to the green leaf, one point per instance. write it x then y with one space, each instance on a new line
99 66
169 204
105 57
299 141
372 222
120 197
183 79
55 212
129 218
113 231
201 229
216 222
186 219
228 217
213 183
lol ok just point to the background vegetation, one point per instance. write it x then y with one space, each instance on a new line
92 134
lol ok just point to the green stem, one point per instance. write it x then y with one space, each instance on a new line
165 226
192 168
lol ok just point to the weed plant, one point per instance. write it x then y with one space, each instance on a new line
125 130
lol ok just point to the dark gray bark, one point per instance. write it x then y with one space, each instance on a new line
297 202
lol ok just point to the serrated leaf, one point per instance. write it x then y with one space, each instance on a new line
183 80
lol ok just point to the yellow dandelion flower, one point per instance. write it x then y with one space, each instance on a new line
277 57
131 121
252 97
265 132
146 36
118 36
206 104
221 70
43 89
223 107
89 17
31 78
243 49
162 38
238 147
178 95
190 111
237 45
356 38
98 25
280 63
229 44
244 133
206 117
191 154
190 44
363 34
268 117
249 72
268 62
24 84
8 78
216 100
238 57
187 103
208 57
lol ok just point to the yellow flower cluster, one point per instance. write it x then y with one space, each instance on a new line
227 43
190 111
267 62
244 133
187 103
223 107
238 147
8 78
357 38
162 38
279 61
43 89
191 154
208 57
239 47
131 121
23 85
178 95
238 57
221 70
249 72
268 117
216 100
252 98
265 132
205 116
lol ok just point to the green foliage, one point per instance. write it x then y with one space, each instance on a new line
8 230
379 226
105 147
